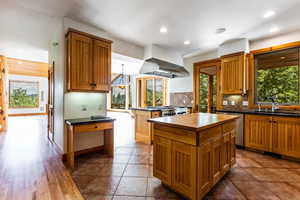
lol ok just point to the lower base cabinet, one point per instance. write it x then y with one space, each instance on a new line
279 135
192 170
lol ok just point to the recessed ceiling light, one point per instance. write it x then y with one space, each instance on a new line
187 42
269 13
19 62
163 29
274 30
220 30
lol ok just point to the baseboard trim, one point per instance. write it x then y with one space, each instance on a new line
85 151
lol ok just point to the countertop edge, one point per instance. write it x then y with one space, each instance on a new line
68 122
193 128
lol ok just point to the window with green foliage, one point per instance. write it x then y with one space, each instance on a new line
23 94
277 77
203 92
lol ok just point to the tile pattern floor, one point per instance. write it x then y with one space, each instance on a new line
129 176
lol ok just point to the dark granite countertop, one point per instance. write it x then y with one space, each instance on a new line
147 109
153 109
285 113
88 120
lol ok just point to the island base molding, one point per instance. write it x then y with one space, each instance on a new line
192 162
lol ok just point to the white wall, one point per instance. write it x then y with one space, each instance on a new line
43 87
186 84
118 46
276 40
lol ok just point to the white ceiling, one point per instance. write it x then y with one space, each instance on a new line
139 21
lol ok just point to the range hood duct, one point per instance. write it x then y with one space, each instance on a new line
157 67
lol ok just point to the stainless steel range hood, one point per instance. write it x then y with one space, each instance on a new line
154 66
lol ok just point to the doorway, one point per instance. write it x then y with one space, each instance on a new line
206 86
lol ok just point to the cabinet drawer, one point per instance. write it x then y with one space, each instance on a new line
209 134
155 114
93 127
229 126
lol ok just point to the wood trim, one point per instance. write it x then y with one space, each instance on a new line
84 151
208 63
276 48
233 54
27 68
196 81
26 114
251 75
88 35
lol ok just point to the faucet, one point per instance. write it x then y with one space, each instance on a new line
275 105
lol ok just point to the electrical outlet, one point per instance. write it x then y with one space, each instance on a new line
83 108
225 103
245 103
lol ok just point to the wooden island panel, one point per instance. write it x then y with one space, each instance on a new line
192 157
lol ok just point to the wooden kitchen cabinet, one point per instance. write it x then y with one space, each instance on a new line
162 159
143 129
286 136
88 62
233 74
275 134
258 132
205 162
184 164
217 156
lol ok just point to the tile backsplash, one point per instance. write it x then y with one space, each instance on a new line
181 99
234 101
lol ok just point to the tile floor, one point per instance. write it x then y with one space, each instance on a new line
129 176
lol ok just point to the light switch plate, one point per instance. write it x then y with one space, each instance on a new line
225 103
245 103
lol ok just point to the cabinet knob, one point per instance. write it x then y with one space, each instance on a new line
96 126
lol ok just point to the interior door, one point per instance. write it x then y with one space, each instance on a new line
3 94
51 102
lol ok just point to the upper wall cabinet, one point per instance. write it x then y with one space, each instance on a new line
88 62
233 74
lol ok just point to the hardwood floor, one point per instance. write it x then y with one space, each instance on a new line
30 165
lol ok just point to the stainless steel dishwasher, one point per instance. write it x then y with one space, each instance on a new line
239 128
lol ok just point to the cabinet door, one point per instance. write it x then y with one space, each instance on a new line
217 159
184 169
205 179
101 66
142 126
162 159
286 136
258 132
232 74
80 73
226 150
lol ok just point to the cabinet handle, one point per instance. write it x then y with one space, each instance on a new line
274 122
93 84
96 126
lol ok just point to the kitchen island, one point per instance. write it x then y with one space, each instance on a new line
193 152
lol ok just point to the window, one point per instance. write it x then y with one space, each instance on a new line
277 77
151 91
205 94
23 94
120 92
118 97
